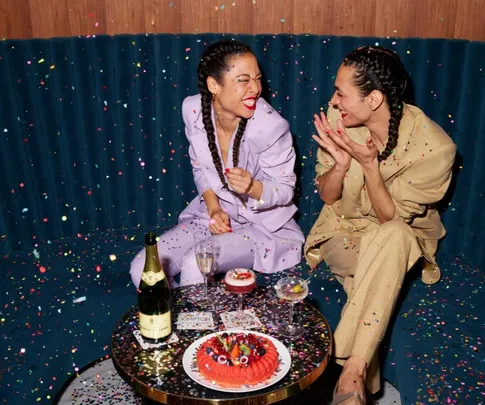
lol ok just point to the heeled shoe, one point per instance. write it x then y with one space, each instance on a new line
341 398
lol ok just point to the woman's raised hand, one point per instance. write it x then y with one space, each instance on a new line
240 180
325 140
364 154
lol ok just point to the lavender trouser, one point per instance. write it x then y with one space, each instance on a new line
176 251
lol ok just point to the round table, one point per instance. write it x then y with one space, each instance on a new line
158 373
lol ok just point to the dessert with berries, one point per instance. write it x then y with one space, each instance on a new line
240 280
237 359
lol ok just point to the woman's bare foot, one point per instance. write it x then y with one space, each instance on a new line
352 377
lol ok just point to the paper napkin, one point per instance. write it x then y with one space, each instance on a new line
195 320
233 321
172 339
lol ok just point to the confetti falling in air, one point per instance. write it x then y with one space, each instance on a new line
100 155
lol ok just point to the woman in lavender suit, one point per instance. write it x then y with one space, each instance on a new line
242 159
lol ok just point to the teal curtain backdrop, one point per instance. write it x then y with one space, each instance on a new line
91 135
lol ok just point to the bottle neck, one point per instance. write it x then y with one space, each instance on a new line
152 261
152 271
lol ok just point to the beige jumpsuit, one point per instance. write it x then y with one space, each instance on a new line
371 259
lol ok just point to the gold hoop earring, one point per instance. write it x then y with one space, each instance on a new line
213 96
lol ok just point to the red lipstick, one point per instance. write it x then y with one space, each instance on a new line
252 107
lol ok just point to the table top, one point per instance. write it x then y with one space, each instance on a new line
159 375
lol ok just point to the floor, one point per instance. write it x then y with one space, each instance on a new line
100 384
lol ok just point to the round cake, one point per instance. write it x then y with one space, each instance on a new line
240 280
236 359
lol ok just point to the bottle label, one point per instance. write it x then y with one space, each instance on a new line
151 277
156 326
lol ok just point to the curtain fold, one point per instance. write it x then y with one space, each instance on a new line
92 138
469 193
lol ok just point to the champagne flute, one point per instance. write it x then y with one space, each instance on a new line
293 290
205 256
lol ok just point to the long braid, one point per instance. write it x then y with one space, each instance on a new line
211 138
396 110
380 69
214 63
237 141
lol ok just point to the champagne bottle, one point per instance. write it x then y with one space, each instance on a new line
154 296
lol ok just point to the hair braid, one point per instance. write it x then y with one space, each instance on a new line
237 141
380 69
214 63
211 138
396 110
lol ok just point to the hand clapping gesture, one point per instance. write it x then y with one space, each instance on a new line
339 144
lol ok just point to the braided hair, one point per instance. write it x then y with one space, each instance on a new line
380 69
215 63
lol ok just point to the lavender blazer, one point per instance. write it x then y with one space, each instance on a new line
266 151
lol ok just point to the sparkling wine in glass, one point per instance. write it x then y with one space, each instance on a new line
293 290
205 256
205 261
240 281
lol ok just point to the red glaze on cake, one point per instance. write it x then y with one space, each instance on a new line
240 280
236 359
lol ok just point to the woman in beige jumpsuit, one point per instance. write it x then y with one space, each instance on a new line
382 166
